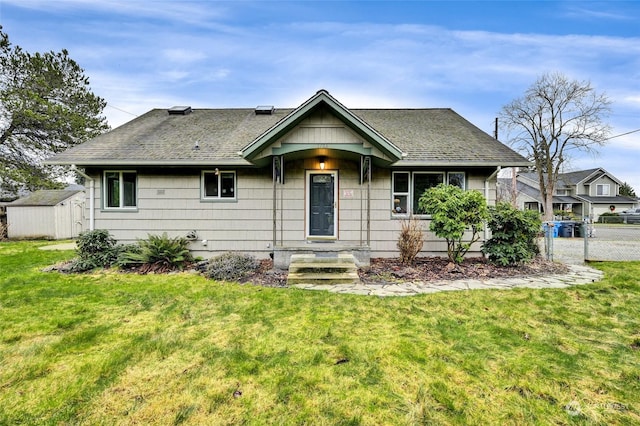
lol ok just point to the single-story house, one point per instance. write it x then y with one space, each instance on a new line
47 214
270 181
583 194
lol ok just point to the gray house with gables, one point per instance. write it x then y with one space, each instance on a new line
272 182
582 194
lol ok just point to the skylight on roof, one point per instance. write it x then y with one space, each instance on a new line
179 110
265 109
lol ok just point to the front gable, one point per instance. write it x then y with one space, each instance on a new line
321 130
321 123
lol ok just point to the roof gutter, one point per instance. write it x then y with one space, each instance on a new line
92 195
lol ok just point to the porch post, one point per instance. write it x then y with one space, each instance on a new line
365 177
369 202
276 172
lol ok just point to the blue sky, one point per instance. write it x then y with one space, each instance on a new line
473 57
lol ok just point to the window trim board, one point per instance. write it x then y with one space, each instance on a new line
122 195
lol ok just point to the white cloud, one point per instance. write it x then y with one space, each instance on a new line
577 10
187 12
141 55
183 56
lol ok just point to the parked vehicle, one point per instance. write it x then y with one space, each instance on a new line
631 216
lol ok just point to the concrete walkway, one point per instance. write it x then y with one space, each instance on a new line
61 246
577 275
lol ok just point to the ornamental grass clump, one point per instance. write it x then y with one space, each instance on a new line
411 240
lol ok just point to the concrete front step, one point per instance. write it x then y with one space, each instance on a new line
322 278
339 268
323 257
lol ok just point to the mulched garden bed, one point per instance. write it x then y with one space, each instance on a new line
389 270
423 269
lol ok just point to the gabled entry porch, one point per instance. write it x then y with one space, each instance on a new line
322 211
321 156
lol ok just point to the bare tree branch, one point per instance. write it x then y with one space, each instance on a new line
554 116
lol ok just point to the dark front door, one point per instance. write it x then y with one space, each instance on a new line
322 204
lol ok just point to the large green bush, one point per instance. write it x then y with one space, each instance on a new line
454 213
514 235
95 249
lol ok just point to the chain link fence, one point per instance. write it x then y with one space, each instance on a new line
579 242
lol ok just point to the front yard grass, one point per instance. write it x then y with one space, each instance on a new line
110 348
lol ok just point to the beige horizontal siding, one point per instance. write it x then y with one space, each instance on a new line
172 204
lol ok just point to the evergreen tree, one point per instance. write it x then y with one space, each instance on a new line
46 106
627 190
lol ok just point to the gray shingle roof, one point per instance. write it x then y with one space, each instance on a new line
427 136
607 200
44 197
439 136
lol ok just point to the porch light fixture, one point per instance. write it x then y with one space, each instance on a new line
322 159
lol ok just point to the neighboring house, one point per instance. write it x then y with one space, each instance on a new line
48 214
272 181
584 194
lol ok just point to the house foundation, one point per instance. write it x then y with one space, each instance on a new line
282 254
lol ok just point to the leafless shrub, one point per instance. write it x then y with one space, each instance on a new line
411 239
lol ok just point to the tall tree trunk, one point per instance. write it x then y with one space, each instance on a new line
548 205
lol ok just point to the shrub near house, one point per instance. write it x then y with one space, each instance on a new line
513 235
453 212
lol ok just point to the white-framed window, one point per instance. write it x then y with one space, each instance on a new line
457 179
120 189
400 197
408 187
602 189
218 185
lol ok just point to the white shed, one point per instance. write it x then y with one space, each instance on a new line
47 214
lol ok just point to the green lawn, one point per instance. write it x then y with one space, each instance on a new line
111 348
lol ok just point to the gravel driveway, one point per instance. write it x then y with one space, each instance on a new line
609 243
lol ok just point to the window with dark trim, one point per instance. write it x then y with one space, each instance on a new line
120 189
408 187
218 185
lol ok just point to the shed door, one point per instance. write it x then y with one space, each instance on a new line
322 204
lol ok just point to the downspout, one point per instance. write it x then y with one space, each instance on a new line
486 196
92 195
